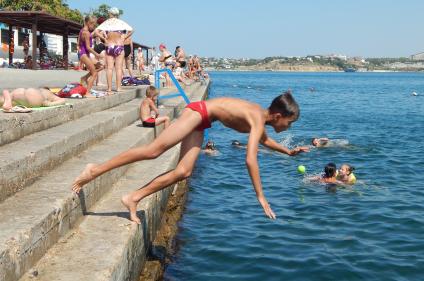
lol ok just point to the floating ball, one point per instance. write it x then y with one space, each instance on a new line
301 169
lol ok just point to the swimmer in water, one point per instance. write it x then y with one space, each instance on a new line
329 176
210 148
320 142
345 174
238 144
325 142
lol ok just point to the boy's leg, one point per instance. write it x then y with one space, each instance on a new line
162 119
176 132
190 149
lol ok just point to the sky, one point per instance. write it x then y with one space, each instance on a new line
258 29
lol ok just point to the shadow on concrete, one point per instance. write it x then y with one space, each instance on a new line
125 215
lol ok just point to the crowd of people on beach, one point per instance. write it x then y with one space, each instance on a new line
114 49
105 49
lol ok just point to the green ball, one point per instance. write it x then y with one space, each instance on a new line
301 169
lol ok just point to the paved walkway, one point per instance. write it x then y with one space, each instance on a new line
23 78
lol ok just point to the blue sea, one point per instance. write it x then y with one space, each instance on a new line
372 231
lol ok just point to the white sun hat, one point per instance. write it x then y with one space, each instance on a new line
114 11
114 24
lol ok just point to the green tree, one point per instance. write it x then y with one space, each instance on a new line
103 11
54 7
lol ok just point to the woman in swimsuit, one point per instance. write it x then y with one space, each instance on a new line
114 52
140 60
180 57
128 50
85 45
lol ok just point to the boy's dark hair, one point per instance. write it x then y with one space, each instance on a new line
151 91
330 170
286 105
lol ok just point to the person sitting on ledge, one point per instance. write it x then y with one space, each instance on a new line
149 113
28 98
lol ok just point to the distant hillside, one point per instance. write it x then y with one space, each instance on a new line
314 64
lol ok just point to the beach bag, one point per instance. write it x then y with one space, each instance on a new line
144 81
127 81
72 90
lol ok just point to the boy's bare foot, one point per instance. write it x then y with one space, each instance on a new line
132 207
7 104
84 178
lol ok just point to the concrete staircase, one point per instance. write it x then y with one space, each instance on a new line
49 233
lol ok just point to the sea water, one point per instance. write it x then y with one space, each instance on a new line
372 231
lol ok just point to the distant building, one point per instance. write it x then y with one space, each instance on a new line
419 56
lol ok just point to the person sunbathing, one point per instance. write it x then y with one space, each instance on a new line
19 99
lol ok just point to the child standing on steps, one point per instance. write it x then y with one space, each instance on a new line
149 113
237 114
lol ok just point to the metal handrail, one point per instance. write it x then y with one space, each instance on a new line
180 93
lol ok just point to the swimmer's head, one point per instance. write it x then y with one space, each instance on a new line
346 170
315 142
330 170
235 142
210 145
282 112
151 92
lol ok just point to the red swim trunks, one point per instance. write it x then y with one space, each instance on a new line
150 123
200 106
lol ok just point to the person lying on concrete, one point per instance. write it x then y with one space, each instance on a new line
149 113
28 98
236 114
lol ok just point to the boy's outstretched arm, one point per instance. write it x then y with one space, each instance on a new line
272 144
253 167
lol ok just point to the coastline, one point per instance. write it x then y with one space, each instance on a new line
317 71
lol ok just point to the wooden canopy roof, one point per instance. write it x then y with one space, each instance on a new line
46 23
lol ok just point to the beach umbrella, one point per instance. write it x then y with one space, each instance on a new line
114 24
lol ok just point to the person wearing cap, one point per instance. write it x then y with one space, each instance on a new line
114 32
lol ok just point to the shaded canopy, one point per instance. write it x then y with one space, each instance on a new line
46 23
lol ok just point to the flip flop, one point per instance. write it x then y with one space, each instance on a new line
18 109
97 94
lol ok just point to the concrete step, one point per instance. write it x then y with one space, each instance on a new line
34 219
106 245
25 160
14 126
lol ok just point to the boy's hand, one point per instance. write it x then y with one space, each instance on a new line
298 150
267 209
